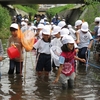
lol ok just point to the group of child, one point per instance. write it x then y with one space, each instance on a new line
73 43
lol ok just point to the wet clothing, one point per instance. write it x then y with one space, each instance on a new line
18 65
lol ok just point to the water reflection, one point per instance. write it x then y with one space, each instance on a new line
15 89
43 89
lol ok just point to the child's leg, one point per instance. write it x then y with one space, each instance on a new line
11 67
19 66
39 73
46 73
71 81
63 80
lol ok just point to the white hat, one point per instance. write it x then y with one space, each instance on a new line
56 30
22 19
64 32
97 19
26 20
78 22
51 23
14 25
69 26
45 18
67 39
61 24
46 30
40 26
23 23
84 27
42 21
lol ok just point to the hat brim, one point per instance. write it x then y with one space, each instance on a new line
84 30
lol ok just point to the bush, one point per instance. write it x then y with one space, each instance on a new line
5 21
26 9
52 11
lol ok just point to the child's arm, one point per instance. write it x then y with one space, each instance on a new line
90 44
77 37
80 59
58 73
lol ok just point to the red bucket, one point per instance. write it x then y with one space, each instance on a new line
13 52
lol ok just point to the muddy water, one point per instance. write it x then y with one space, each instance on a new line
30 87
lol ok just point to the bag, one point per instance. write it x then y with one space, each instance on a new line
55 53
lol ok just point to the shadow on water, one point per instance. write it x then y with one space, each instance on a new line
15 89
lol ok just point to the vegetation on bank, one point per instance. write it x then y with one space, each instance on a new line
5 21
53 11
30 9
5 18
92 11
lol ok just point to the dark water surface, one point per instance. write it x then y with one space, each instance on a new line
29 87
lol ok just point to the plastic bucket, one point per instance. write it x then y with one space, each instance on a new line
13 52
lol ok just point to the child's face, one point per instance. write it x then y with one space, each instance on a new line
45 37
14 33
70 46
57 35
78 27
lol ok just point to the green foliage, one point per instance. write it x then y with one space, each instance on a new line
5 21
93 10
27 9
33 6
52 11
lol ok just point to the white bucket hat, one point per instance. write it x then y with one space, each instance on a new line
42 21
84 27
61 24
67 39
46 30
40 26
26 20
64 32
14 25
97 19
56 30
78 22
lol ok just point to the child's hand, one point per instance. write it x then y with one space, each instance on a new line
83 60
55 81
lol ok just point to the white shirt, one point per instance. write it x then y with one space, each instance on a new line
84 39
42 46
56 42
72 33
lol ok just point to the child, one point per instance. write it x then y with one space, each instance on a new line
44 56
67 58
86 40
14 40
56 42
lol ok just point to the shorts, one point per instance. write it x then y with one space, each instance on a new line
44 62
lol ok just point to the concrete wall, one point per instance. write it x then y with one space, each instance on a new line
71 15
